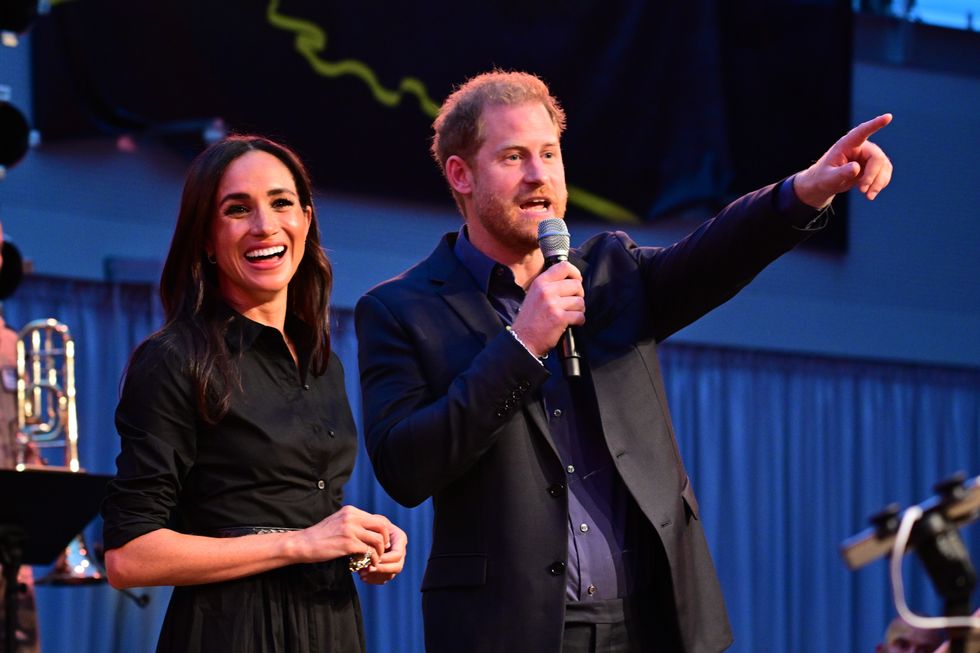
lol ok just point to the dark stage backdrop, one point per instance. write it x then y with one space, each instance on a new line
674 108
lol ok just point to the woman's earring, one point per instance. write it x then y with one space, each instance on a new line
211 259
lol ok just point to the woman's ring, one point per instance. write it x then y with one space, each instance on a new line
359 562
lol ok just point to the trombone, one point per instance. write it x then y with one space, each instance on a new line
46 418
46 415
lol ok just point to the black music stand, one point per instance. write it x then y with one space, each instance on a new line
40 512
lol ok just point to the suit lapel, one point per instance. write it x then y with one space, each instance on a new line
456 286
602 306
579 262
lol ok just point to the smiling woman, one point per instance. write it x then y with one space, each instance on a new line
258 236
237 435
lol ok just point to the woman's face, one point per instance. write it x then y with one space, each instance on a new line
258 232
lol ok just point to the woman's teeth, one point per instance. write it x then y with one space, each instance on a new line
267 252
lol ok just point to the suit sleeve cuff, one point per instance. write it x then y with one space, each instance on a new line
800 216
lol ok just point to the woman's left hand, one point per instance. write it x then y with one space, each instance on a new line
391 563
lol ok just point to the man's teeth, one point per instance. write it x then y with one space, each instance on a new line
536 205
267 252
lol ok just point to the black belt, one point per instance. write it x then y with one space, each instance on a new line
608 611
239 531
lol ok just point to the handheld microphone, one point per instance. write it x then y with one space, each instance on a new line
554 240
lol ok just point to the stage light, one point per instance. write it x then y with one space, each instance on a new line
15 136
12 270
16 16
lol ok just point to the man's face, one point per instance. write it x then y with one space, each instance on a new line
902 645
903 638
518 179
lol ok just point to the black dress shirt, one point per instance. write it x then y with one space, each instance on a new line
279 458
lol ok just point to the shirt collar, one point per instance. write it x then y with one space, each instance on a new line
480 266
243 332
240 332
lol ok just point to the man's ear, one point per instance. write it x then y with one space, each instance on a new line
459 175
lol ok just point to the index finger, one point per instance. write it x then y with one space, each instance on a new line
863 132
379 524
399 539
562 270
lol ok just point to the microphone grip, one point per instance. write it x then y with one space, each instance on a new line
569 354
566 344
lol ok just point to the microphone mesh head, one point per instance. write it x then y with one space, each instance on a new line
553 237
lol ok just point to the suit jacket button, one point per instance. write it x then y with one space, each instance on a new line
556 568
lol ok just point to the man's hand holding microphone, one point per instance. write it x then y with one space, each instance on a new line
555 301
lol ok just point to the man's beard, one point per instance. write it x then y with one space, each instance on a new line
501 219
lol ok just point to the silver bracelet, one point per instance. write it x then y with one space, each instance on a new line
540 359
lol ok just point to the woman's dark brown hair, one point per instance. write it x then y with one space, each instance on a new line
195 317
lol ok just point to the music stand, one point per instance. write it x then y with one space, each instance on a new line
41 511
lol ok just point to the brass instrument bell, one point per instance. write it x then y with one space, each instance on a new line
46 415
46 418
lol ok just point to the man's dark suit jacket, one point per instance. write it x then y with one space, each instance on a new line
452 412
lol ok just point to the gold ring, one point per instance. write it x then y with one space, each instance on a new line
359 562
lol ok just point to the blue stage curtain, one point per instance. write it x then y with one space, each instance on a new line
789 455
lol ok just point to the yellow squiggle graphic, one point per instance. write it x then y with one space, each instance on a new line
311 40
600 206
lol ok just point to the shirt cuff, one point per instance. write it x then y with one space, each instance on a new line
801 216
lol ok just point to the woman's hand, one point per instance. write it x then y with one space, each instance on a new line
391 563
165 557
349 531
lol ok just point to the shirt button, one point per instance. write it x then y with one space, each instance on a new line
557 412
306 386
584 528
320 484
591 590
331 433
570 469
